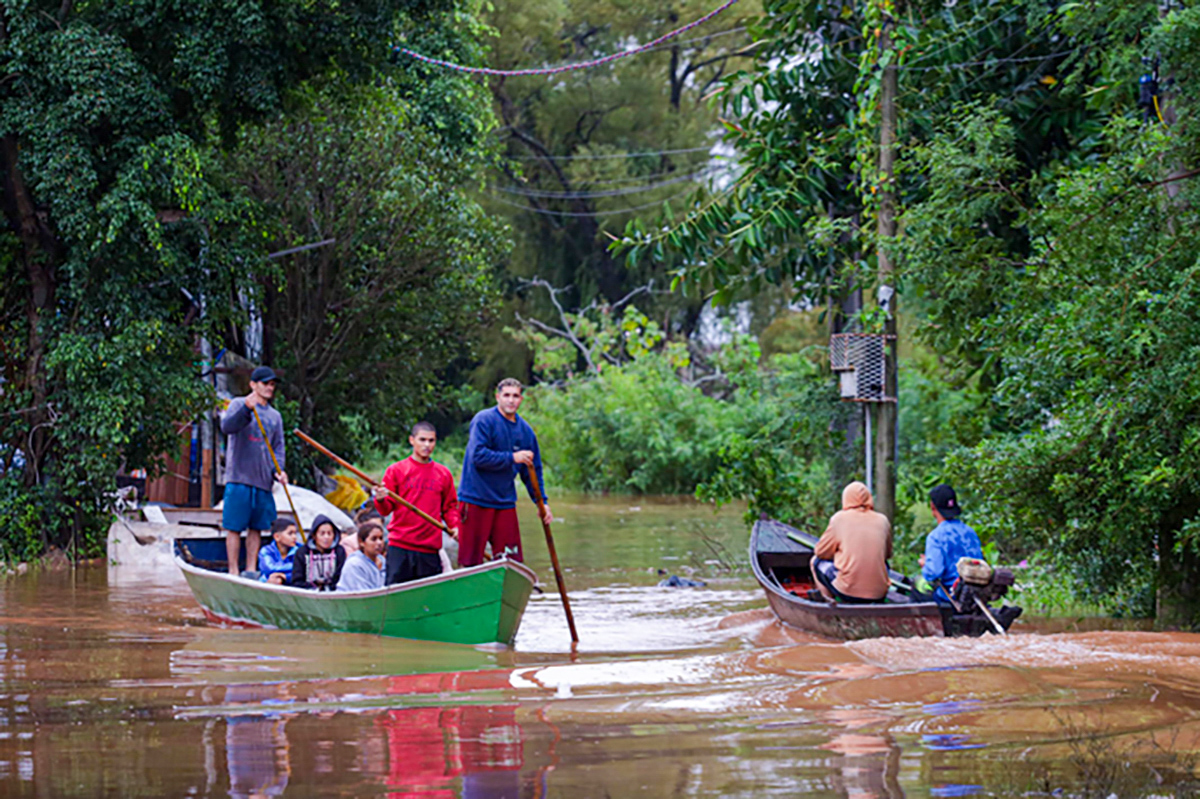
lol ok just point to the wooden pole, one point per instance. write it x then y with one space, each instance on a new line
206 466
286 493
562 587
886 412
345 464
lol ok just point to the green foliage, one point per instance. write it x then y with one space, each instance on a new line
371 325
28 520
794 331
781 455
802 210
125 239
635 428
586 151
1096 456
640 427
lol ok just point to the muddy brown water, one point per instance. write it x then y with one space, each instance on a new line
111 683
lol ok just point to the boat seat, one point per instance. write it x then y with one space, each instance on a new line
785 560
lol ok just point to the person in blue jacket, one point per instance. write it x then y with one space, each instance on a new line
949 541
275 559
501 446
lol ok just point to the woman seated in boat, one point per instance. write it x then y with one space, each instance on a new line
318 564
850 561
276 558
364 569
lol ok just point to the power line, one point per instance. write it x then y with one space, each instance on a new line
960 39
995 61
604 156
627 180
548 212
567 67
584 195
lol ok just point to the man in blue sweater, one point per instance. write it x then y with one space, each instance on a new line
501 446
949 541
249 473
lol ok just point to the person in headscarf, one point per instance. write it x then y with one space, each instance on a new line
850 561
318 564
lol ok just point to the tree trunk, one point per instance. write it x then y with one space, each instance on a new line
39 250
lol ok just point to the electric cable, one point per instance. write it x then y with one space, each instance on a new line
566 67
586 195
604 156
589 214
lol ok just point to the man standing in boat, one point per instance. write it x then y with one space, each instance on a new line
413 543
501 446
249 473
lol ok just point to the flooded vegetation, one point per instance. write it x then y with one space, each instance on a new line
114 684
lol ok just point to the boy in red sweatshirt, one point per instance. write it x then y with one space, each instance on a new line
413 543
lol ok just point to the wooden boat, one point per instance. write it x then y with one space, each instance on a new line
781 566
478 605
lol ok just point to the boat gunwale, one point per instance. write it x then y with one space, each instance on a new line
909 609
373 593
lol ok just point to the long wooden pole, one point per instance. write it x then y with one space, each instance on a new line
562 587
884 487
286 493
345 464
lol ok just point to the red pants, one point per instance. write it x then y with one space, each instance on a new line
481 526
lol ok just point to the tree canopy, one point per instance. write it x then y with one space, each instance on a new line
126 236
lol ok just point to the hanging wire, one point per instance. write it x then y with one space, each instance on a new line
588 195
632 179
590 214
994 61
605 156
960 39
566 67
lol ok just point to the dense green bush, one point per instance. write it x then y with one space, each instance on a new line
765 437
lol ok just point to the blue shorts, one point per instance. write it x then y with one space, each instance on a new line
247 507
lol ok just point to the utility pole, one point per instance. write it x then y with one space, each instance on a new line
886 412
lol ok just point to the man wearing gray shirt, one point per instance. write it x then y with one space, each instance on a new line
249 473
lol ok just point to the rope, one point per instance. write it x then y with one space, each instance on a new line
566 67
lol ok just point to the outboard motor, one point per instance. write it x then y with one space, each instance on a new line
978 585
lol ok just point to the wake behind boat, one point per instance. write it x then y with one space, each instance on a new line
478 605
780 557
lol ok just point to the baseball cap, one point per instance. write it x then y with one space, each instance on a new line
945 500
263 374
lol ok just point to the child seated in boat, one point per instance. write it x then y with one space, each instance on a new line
275 559
364 567
850 561
318 564
350 537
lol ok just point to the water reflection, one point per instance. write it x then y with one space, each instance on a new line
429 749
868 764
256 746
123 690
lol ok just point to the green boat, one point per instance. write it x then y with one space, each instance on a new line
477 605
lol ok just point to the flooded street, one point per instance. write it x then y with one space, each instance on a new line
113 684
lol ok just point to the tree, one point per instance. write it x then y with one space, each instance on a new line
1095 327
119 223
583 148
370 322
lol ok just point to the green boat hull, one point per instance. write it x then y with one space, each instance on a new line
478 605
